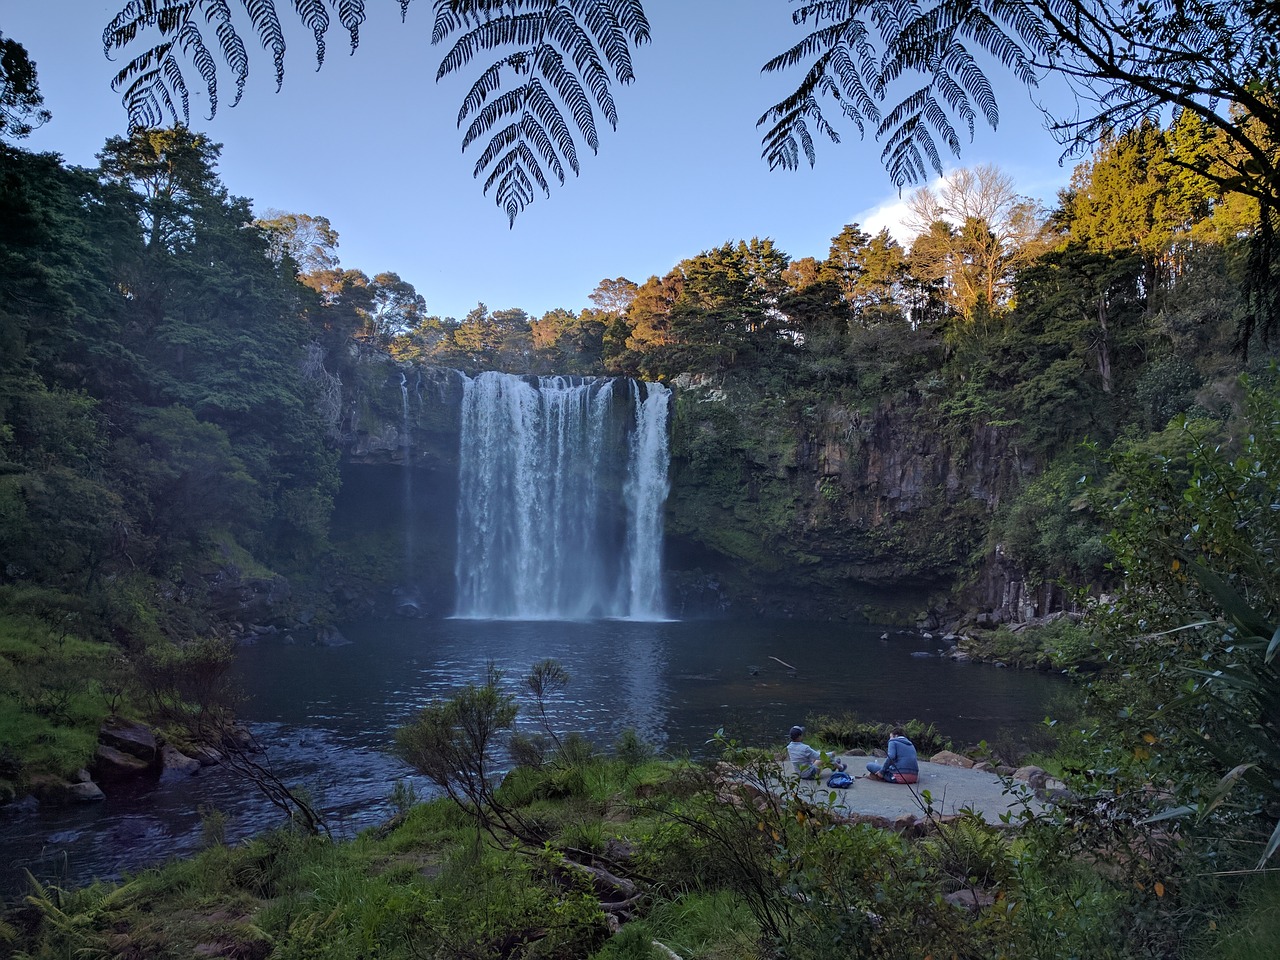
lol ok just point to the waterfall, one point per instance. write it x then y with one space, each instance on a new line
407 604
562 484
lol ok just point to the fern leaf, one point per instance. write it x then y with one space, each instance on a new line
548 114
315 17
956 99
974 82
614 27
351 14
509 104
235 54
140 102
500 141
124 26
935 117
487 83
523 30
533 131
178 84
193 46
571 93
263 16
514 193
569 35
520 157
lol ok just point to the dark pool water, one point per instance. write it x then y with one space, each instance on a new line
327 715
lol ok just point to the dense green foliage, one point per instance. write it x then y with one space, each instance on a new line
155 432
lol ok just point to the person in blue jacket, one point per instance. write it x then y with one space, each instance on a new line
901 765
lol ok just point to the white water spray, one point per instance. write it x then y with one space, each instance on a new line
562 485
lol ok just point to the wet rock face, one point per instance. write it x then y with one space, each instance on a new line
836 511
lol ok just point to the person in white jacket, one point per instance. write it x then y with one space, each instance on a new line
806 761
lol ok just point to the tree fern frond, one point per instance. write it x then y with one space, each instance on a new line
146 62
522 30
123 28
522 158
514 193
570 91
533 131
569 35
541 106
987 34
503 140
818 42
956 99
608 34
937 118
192 44
178 84
509 104
630 16
849 109
1022 19
140 101
263 16
237 57
315 17
852 85
973 80
901 157
351 14
486 84
909 107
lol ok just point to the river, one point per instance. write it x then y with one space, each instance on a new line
327 715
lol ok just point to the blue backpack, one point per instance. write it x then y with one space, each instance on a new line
840 780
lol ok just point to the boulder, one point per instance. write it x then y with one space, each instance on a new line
948 759
330 636
112 764
86 791
1033 776
972 900
904 824
135 739
55 790
206 756
176 764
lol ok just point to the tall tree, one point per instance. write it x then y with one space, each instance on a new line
21 103
311 242
990 231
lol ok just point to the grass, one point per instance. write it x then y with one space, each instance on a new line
1252 930
721 877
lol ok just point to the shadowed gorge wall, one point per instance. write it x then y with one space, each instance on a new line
826 511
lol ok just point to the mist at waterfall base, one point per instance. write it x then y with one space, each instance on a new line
327 715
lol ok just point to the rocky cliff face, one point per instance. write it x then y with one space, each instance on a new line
838 511
775 509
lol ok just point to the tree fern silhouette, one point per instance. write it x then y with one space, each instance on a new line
551 59
1127 62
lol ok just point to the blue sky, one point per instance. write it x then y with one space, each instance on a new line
370 142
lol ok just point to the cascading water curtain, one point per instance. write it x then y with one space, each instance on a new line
562 484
